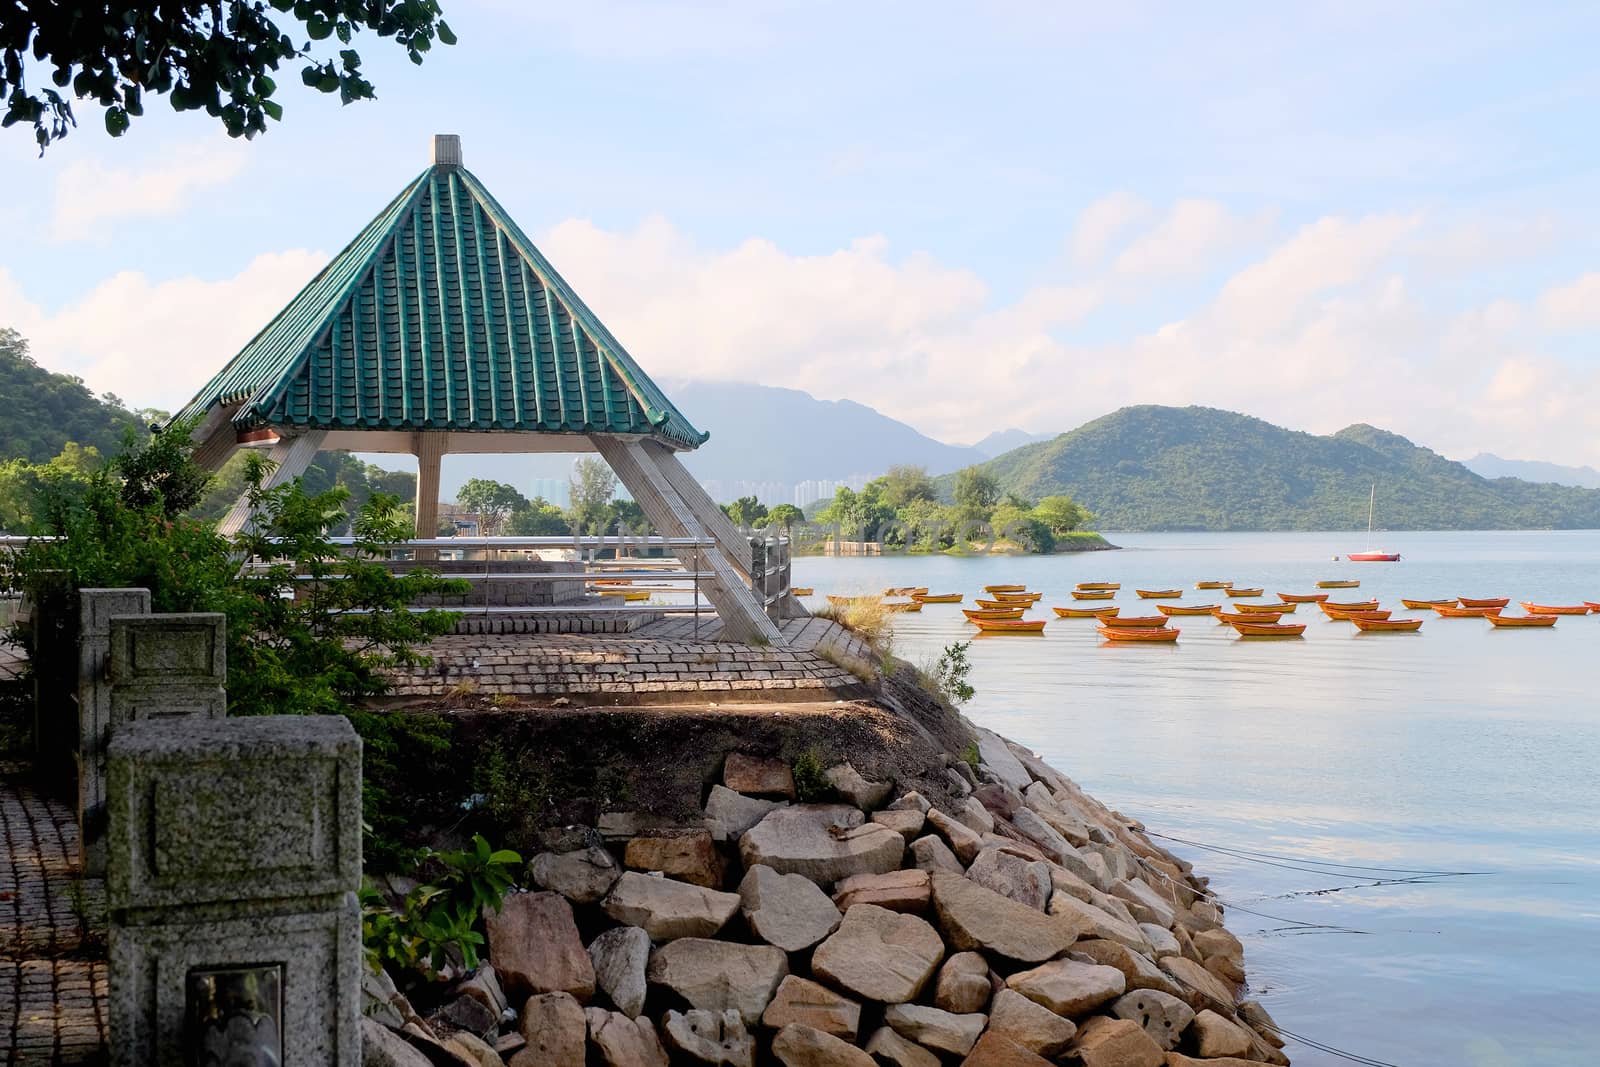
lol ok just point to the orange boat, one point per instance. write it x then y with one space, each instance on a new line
846 601
1349 605
1302 598
1385 626
1269 629
1159 594
905 590
1018 598
1134 622
1213 585
1004 588
1085 613
1111 633
1010 626
1093 594
1546 609
1243 592
1187 609
1425 605
1267 609
1465 613
1352 616
802 590
996 614
1592 605
1498 602
999 605
902 605
937 598
1340 583
1227 618
1521 620
1099 586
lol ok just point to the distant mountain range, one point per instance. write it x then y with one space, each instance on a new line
759 433
1531 470
1002 441
1165 468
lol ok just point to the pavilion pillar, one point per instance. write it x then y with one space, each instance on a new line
290 456
743 617
734 544
429 450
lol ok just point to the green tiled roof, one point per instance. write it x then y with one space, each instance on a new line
442 315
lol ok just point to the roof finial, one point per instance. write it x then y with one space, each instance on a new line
447 150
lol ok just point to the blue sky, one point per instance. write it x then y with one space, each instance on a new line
967 216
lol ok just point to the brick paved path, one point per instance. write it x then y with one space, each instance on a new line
52 936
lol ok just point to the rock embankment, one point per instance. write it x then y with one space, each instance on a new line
1026 925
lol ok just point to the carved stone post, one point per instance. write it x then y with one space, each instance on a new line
96 608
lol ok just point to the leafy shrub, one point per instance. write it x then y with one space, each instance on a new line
437 922
947 678
811 786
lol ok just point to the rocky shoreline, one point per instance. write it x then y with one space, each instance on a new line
1018 922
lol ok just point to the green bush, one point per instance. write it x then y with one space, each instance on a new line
811 786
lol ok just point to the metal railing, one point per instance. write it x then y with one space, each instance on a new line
769 567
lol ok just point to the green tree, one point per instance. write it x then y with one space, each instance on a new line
785 515
902 485
491 501
976 492
539 518
1012 523
213 54
592 486
746 511
43 411
1061 514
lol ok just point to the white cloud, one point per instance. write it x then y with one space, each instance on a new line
1191 239
1574 306
89 193
155 343
1102 222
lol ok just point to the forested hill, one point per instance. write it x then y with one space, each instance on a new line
40 411
1164 468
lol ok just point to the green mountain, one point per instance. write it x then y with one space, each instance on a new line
43 411
1164 468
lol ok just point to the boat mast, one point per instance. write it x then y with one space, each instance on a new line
1372 500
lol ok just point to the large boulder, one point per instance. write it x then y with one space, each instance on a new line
824 842
997 1050
1033 1026
730 814
1027 881
1137 891
892 1050
619 956
931 854
996 757
1107 1042
802 1001
719 1040
1068 987
624 1042
1139 970
981 920
879 954
974 815
1163 1016
907 822
801 1046
382 1047
554 1027
963 984
687 855
1095 923
964 841
1162 942
668 909
935 1028
851 786
758 776
905 890
1216 1036
1201 988
583 877
787 910
717 975
534 943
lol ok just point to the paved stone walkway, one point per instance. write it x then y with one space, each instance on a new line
52 936
664 661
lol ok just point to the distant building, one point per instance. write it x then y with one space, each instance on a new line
555 491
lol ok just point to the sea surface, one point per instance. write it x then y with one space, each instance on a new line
1351 766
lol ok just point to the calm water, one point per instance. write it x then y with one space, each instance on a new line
1461 748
